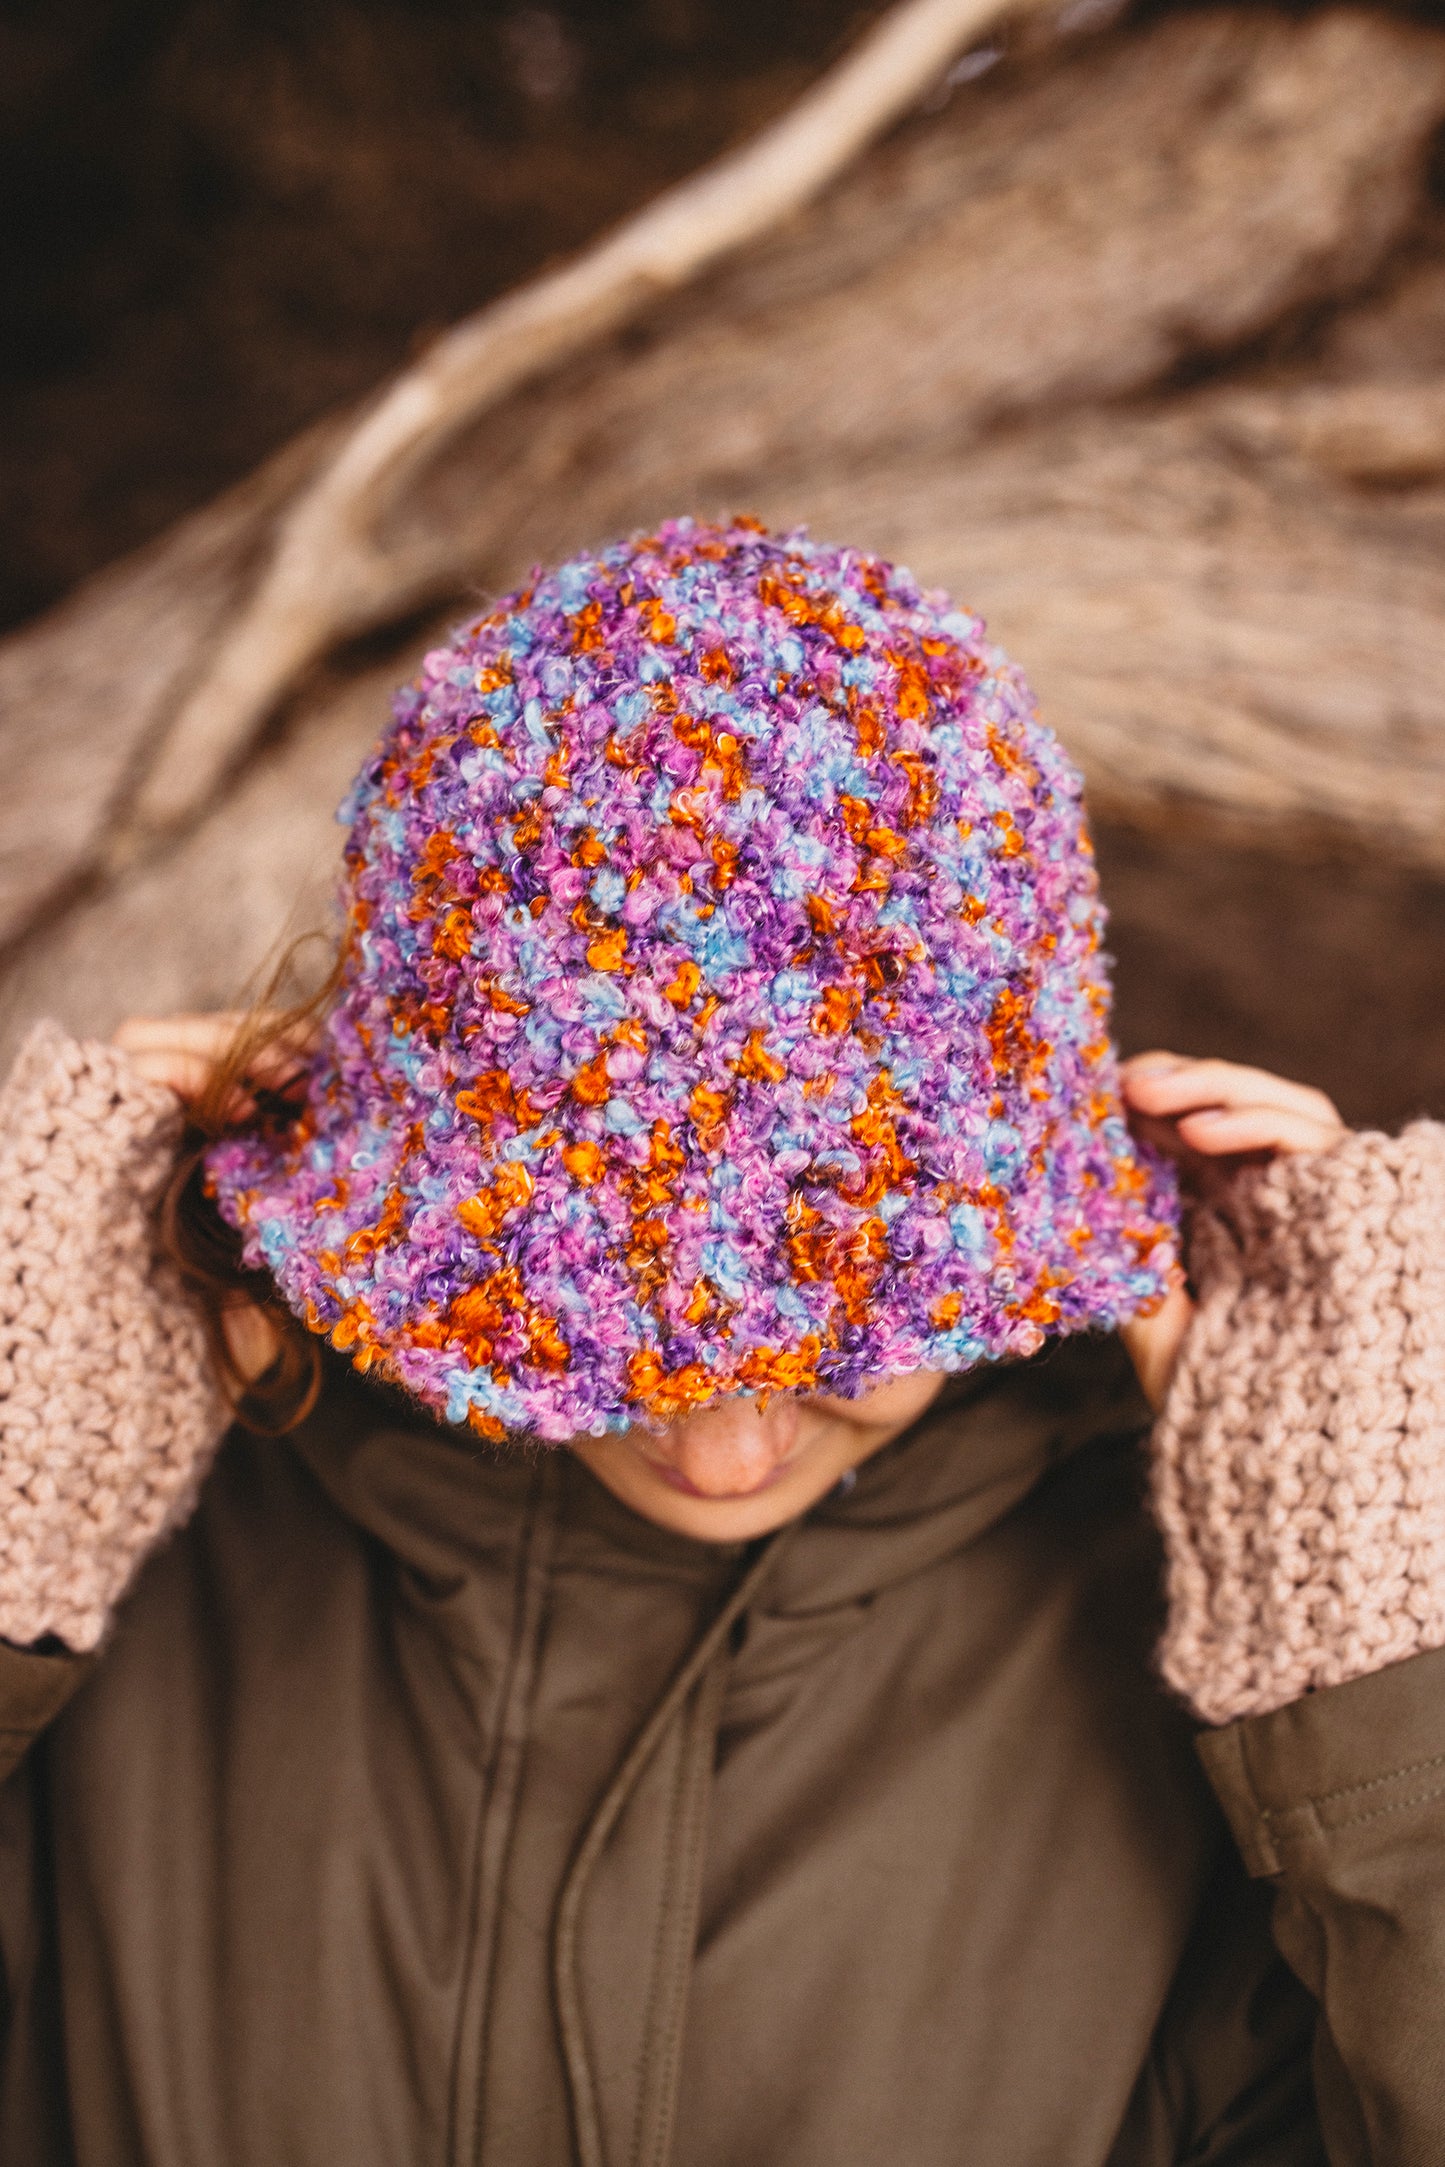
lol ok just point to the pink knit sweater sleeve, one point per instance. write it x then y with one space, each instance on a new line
1299 1464
108 1413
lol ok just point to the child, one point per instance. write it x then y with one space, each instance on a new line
684 1685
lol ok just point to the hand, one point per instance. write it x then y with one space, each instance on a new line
183 1053
1210 1117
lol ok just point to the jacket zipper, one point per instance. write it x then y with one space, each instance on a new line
498 1813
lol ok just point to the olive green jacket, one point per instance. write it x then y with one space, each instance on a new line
428 1806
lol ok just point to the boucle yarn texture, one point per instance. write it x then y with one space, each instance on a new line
1299 1468
108 1411
723 1008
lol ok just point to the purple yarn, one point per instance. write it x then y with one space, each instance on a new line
723 1008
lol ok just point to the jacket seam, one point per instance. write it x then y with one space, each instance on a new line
1355 1790
1398 1805
476 2001
677 1908
660 1941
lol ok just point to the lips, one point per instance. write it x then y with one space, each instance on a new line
676 1480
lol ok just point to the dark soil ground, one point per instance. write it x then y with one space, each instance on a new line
223 217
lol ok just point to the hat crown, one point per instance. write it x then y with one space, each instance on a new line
722 1007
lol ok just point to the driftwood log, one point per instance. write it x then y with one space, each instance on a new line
1134 343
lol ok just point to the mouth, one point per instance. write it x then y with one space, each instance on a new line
678 1481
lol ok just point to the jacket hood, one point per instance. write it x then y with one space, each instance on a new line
442 1502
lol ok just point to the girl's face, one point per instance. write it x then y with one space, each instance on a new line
736 1470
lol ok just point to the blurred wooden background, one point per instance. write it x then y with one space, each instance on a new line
1132 333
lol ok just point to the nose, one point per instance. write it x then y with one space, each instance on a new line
732 1449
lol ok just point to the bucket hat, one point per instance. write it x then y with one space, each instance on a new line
722 1008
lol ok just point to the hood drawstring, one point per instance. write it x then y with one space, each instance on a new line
695 1697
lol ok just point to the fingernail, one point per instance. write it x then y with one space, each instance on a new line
1155 1064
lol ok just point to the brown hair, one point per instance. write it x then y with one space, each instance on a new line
252 1082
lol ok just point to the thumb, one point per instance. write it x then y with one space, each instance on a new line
1154 1343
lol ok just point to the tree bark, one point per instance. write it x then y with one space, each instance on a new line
1134 345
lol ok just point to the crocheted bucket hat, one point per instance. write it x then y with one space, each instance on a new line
722 1009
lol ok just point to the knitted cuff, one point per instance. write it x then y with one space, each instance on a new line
108 1413
1299 1464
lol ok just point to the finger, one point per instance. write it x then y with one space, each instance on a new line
187 1074
1224 1083
280 1065
198 1033
218 1026
1162 1135
1156 1057
1155 1089
1154 1343
1220 1131
184 1041
252 1340
1166 1084
190 1076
